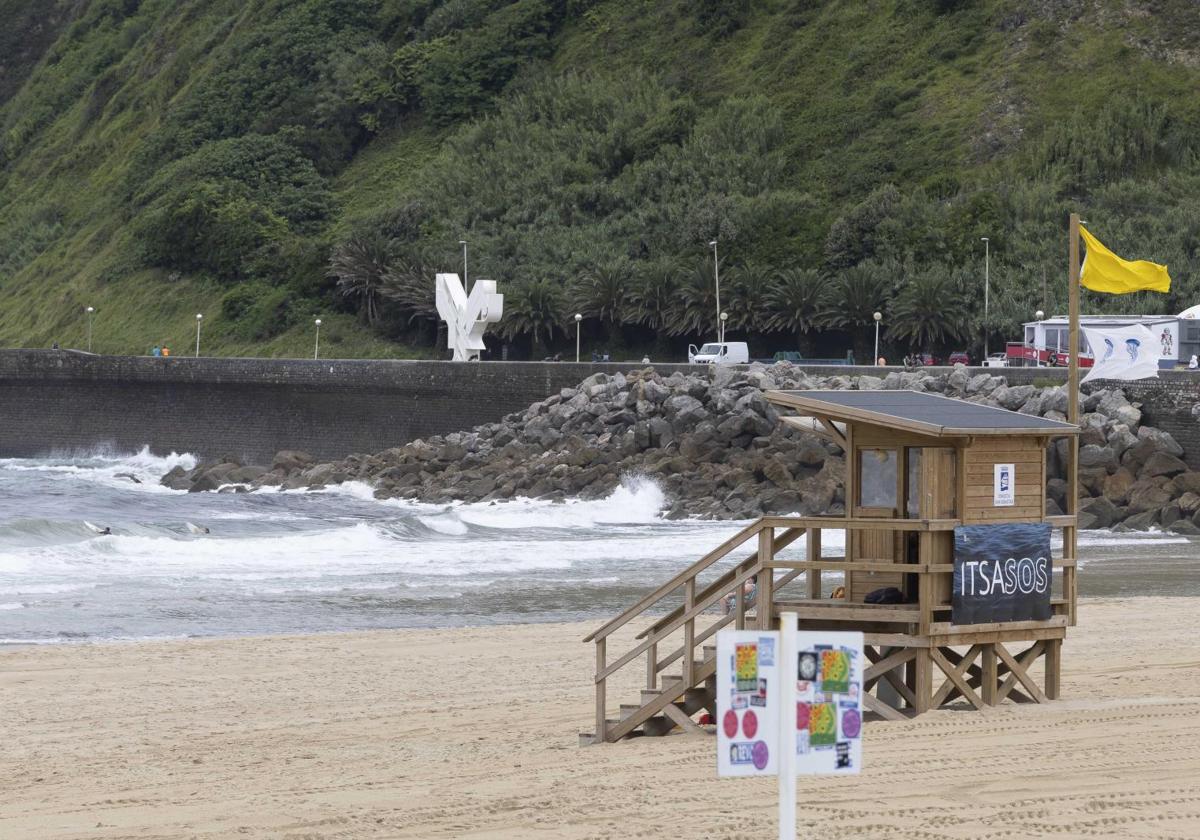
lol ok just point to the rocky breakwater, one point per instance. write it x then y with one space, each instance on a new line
716 446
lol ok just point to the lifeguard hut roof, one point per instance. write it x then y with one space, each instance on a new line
926 414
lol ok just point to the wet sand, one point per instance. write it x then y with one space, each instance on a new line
474 733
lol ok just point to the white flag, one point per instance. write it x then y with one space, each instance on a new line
1122 353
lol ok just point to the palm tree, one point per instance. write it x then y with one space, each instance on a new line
860 291
930 310
651 296
798 301
411 286
602 292
744 294
695 305
533 308
360 265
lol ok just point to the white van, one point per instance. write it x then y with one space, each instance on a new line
720 353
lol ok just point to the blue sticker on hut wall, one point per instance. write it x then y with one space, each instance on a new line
1001 573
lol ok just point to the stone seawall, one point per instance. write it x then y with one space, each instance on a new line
62 401
66 401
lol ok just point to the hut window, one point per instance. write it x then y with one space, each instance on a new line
877 473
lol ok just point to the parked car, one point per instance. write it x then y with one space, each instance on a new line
720 353
959 357
996 360
926 359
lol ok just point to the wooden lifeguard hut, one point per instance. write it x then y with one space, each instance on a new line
939 494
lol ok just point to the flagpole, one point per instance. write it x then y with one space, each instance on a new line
1070 541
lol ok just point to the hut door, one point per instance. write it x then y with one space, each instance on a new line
878 498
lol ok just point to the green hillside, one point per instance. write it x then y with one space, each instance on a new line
268 162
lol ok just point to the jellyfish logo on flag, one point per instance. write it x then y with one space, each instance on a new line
1132 345
1108 350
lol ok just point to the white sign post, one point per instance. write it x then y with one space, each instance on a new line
789 703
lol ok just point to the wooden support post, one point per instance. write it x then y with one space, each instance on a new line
1053 668
921 670
925 583
739 600
689 630
601 722
652 666
814 553
990 676
766 577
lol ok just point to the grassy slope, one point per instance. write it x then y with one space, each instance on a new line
872 92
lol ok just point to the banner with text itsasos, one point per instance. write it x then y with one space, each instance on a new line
1001 573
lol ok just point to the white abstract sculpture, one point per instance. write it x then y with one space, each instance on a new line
467 317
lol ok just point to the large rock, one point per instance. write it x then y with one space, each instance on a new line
1097 456
289 460
1160 463
1116 486
1104 512
1142 521
1014 398
1145 495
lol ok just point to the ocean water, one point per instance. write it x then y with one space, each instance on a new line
337 559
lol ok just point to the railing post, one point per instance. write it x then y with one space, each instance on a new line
1068 577
925 582
813 576
601 720
739 601
689 630
652 666
766 577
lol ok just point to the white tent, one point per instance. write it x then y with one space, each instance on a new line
1191 313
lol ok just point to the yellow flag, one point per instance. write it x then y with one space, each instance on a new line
1104 271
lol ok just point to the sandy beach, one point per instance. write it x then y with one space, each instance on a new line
474 733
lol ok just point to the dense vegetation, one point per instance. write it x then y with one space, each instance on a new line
271 161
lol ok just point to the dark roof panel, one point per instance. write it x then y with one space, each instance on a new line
934 413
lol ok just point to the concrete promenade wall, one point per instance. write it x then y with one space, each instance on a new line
64 401
67 401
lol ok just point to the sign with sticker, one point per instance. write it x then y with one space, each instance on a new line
748 703
828 698
1004 489
1001 573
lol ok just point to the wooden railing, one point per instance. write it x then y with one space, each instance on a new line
696 599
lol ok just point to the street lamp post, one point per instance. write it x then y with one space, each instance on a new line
717 283
578 319
317 339
724 318
986 283
1038 316
91 310
199 318
466 288
878 316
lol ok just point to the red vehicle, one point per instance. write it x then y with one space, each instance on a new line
959 357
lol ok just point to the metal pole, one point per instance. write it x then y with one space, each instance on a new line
717 283
876 343
90 313
199 319
1073 378
466 287
787 724
986 284
578 322
317 340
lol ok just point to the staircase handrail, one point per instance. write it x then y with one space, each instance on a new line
679 579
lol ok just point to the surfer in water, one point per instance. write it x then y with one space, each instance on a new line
197 529
96 529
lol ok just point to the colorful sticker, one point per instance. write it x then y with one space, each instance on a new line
746 667
851 723
760 754
730 723
749 724
803 712
835 671
822 725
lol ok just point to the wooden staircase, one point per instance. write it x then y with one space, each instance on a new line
669 700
